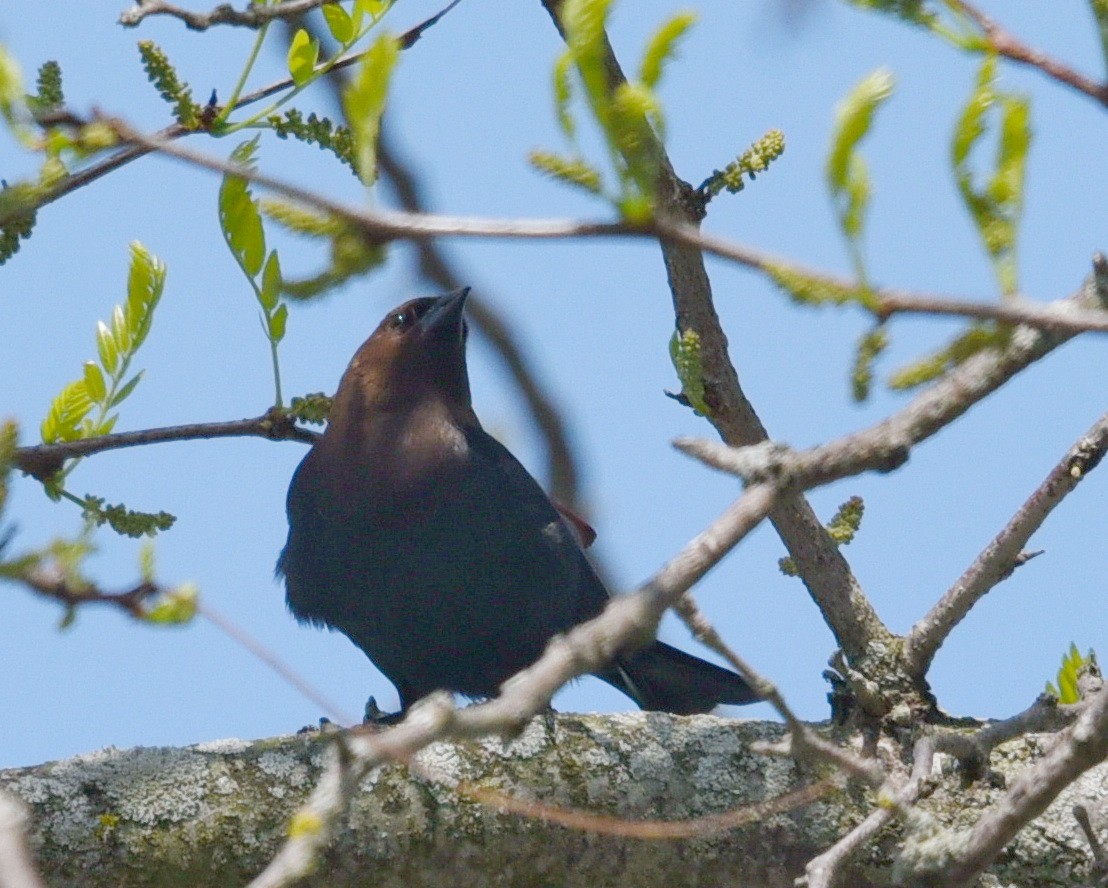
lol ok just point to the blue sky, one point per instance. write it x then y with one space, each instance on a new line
469 102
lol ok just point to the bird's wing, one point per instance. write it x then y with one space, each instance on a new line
582 530
558 536
305 566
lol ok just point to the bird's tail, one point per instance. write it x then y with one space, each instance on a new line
662 678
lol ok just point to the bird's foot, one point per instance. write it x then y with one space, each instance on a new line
326 726
374 715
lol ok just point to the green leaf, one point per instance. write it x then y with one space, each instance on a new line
977 338
11 85
49 93
995 207
145 284
563 92
106 425
754 160
373 8
663 46
239 217
571 170
303 54
162 74
339 22
870 346
175 607
121 331
853 118
300 219
1100 13
841 528
1073 665
106 347
312 408
271 282
364 103
66 412
846 172
125 392
277 323
583 21
94 382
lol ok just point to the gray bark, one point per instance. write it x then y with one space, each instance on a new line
213 814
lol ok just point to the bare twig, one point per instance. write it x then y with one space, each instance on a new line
17 868
385 225
419 227
1052 316
803 743
1080 747
42 460
997 560
1100 858
57 587
1006 44
650 830
255 15
257 649
823 870
887 445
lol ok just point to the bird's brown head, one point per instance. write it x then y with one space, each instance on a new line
416 354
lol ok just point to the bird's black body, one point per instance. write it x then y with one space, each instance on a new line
419 536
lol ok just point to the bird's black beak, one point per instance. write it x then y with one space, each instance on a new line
444 319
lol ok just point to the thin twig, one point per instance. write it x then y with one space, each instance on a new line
1081 747
886 446
1006 44
57 587
255 15
237 634
1100 858
824 870
385 225
996 561
42 460
1051 316
650 830
804 743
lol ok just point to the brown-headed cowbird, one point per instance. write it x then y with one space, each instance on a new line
419 536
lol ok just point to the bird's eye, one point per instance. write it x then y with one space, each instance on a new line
401 319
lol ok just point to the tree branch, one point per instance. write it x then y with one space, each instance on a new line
819 562
43 460
1006 44
995 563
887 445
1080 748
255 15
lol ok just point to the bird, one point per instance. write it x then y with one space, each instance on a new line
419 536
